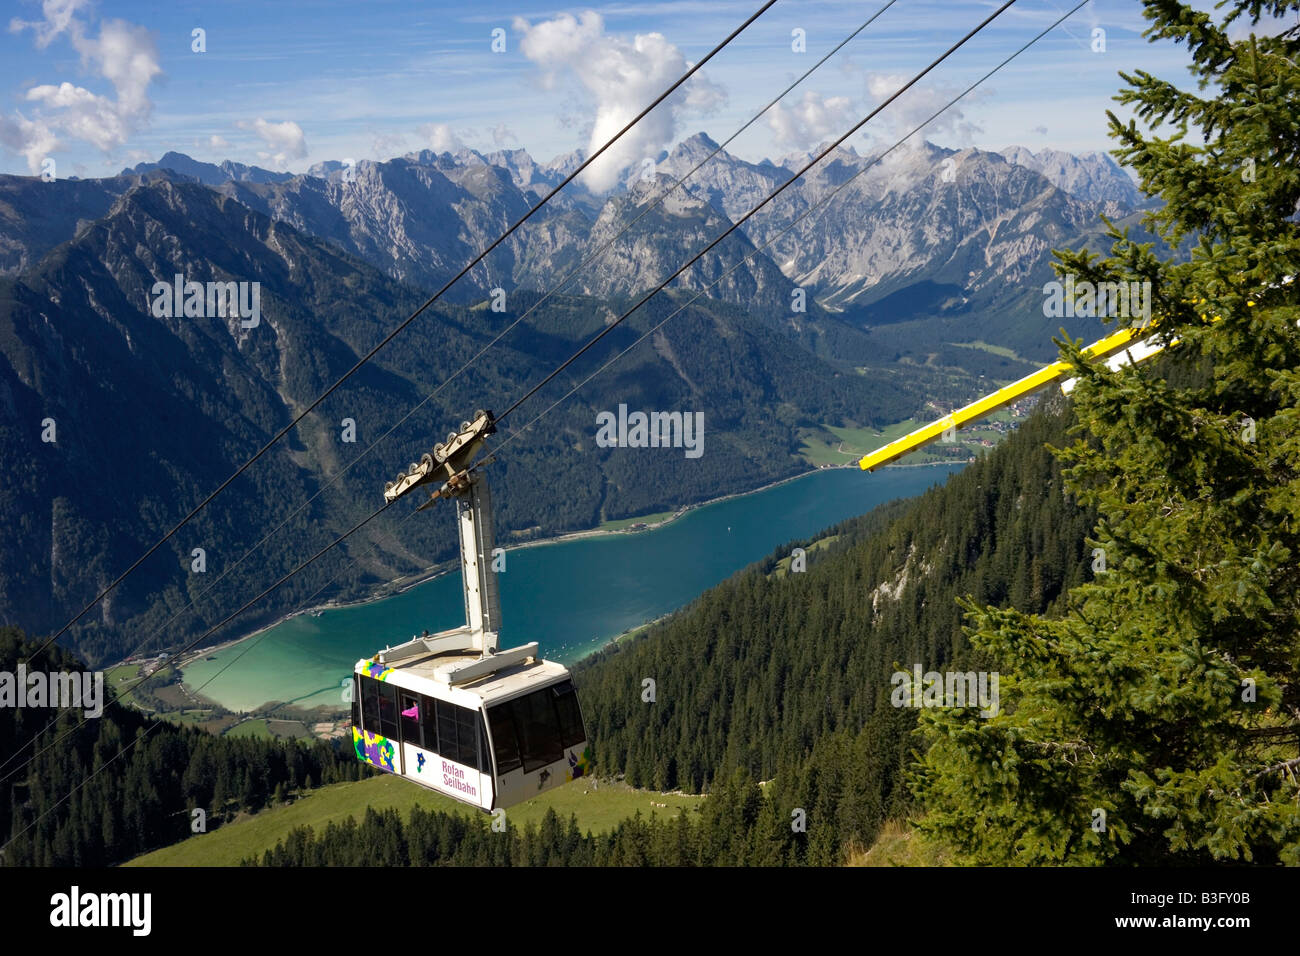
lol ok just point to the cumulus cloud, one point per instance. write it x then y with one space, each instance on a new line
58 17
503 135
83 114
918 104
284 140
812 120
34 140
386 145
622 77
441 138
121 53
218 142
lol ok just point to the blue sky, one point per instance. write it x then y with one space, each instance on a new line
283 84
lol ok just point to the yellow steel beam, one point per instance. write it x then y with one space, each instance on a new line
991 403
1016 390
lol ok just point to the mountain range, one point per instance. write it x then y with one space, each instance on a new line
919 255
938 229
117 419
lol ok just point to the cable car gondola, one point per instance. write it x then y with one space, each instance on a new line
450 711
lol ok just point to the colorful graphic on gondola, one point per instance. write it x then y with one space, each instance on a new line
374 749
378 671
578 766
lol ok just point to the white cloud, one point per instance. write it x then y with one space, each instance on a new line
85 115
284 140
59 16
441 138
34 140
812 120
503 135
122 53
386 145
218 142
622 78
918 104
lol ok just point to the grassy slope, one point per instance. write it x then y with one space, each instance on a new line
783 566
250 728
992 349
853 443
900 845
621 523
122 676
856 442
597 810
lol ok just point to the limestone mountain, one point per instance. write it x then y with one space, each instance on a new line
1093 176
922 234
210 174
118 417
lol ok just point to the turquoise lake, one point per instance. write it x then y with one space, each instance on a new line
571 597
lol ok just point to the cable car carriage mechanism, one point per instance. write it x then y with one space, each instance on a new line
450 711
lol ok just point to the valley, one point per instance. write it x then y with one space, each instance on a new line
358 452
327 285
572 596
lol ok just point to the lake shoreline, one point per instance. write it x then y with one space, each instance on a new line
402 585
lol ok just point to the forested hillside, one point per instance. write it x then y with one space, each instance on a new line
785 678
128 801
1158 722
760 668
736 826
768 675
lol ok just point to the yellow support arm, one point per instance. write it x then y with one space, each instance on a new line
991 403
1121 340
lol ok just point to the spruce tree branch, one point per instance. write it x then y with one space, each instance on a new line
1291 730
1285 765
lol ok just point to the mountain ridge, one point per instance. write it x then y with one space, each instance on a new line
153 410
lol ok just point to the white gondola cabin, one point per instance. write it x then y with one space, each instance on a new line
492 743
448 710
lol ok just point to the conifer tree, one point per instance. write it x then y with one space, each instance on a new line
1157 719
